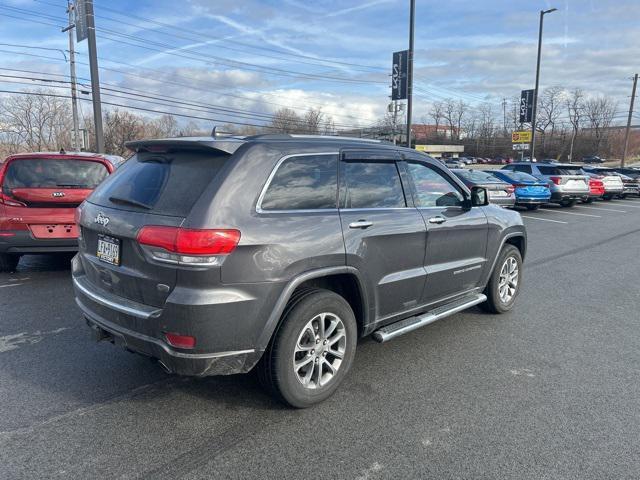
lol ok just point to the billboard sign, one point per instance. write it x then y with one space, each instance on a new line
521 136
400 75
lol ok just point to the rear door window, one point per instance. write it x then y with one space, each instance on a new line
522 168
371 185
162 183
54 173
305 182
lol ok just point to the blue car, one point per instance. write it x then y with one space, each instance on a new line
530 192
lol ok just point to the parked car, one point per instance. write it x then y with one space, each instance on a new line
265 261
567 182
613 184
596 189
628 171
453 163
592 159
500 192
467 160
529 191
631 186
39 193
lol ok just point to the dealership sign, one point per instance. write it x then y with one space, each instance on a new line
523 136
400 75
526 106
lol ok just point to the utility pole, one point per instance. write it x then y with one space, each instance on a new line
626 135
504 116
535 91
412 18
95 80
72 67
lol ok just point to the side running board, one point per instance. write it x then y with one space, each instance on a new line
412 323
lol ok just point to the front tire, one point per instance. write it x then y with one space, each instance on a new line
312 350
505 282
8 262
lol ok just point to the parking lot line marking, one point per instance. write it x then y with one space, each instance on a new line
626 204
11 285
571 213
601 209
543 219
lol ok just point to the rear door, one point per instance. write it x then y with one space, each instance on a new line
456 235
384 237
149 189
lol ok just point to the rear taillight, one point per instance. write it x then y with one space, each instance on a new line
180 341
187 246
556 180
510 189
11 202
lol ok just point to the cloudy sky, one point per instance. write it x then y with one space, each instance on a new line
240 60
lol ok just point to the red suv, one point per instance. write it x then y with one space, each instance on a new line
39 193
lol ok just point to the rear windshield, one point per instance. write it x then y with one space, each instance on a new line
518 176
476 176
563 170
166 183
53 173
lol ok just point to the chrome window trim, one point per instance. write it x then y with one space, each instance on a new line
259 208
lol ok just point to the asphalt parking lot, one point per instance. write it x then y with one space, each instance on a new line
549 390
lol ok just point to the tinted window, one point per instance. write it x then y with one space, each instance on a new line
432 188
372 185
519 176
522 168
167 183
303 183
54 173
476 176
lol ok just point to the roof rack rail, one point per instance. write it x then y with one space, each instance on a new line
269 136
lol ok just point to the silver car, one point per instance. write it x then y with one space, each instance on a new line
568 183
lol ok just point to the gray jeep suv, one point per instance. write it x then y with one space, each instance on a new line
217 255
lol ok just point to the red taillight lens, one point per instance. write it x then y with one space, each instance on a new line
187 241
180 341
510 189
11 202
556 180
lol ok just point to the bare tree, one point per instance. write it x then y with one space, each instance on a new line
453 113
285 120
574 105
312 122
549 111
436 111
36 120
600 112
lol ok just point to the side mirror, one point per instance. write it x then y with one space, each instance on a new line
479 197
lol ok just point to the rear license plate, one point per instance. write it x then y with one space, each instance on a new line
108 249
497 193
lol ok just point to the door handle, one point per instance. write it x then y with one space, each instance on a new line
360 224
437 219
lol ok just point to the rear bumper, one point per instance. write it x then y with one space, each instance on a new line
226 328
22 242
532 200
503 201
558 196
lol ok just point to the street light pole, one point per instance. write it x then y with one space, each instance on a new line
95 81
535 91
72 66
412 16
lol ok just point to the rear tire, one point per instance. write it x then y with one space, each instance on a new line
588 200
318 332
533 207
505 282
8 262
568 203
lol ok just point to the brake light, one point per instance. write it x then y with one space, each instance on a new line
556 180
10 201
180 341
510 189
188 246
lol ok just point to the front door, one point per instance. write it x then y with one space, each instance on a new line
456 234
384 237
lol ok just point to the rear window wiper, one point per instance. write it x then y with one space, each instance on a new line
129 201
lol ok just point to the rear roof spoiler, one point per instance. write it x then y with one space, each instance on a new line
226 144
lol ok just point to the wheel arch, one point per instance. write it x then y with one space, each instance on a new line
345 281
